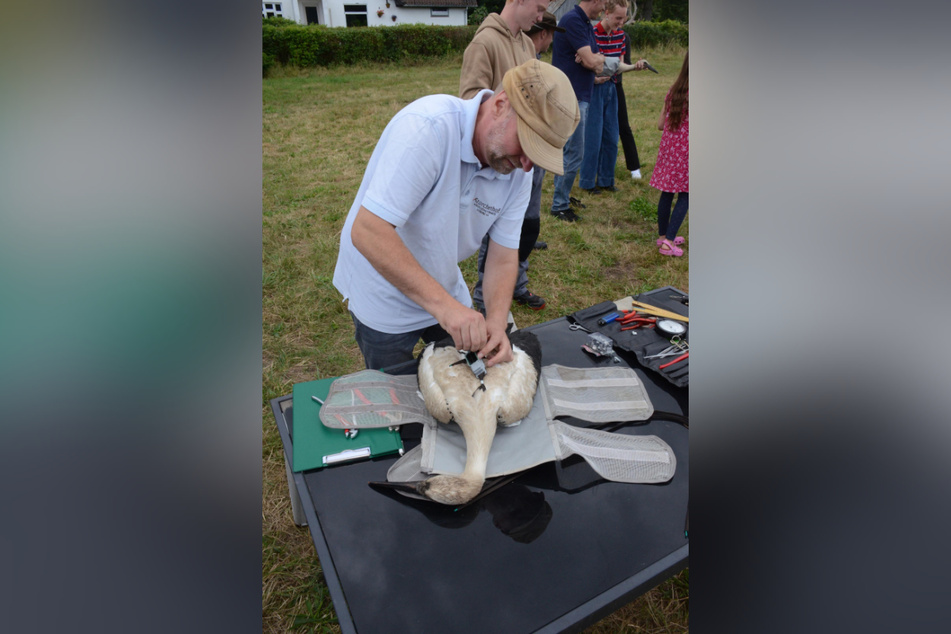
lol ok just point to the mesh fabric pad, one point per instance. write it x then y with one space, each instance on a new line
604 396
371 398
617 457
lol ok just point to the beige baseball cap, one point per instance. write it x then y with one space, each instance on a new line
547 111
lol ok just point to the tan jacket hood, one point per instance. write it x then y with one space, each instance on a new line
491 53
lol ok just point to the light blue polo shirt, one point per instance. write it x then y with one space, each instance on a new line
424 178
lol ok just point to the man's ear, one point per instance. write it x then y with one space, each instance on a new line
502 104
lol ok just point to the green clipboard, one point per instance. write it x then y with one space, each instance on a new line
317 446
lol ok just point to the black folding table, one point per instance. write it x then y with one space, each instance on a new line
554 550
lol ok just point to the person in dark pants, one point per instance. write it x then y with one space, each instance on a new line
501 43
624 127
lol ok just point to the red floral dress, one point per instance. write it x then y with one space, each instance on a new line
673 156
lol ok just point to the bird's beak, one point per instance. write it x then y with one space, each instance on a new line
406 487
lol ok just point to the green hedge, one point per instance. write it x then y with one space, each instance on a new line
318 45
653 34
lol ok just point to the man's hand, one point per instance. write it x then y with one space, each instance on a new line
498 349
466 327
589 59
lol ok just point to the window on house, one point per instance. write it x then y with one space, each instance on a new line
356 14
311 13
439 13
272 9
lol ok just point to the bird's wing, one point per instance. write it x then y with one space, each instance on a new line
432 393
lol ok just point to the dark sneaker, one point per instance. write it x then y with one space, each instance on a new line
566 214
594 191
610 188
531 300
539 245
574 202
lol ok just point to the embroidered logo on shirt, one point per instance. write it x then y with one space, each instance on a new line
485 208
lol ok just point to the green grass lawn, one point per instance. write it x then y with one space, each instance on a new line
319 129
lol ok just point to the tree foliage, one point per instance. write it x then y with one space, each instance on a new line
661 10
678 10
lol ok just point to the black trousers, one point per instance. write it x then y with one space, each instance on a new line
627 137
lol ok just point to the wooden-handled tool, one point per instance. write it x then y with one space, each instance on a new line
628 303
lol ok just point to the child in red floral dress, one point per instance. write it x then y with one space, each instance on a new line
672 169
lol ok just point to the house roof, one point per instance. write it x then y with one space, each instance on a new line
437 3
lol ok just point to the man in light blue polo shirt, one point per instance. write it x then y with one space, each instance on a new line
445 173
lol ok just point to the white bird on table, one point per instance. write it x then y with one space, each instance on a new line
452 391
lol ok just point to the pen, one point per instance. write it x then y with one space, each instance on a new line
317 399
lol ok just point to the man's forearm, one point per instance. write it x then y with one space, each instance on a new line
589 59
378 242
498 282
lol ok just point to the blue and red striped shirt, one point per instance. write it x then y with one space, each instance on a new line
611 44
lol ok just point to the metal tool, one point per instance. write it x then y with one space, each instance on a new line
640 322
677 360
578 327
680 343
649 67
669 352
632 315
676 347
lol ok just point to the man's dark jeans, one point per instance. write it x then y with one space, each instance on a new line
382 350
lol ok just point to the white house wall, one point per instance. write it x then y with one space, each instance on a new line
331 13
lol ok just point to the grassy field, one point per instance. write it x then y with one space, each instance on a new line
319 129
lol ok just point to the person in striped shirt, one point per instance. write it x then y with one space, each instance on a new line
601 126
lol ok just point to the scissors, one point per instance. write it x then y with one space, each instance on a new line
578 327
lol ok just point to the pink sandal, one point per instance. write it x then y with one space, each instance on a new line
667 248
676 241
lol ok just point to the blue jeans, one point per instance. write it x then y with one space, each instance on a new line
668 225
600 138
382 350
574 150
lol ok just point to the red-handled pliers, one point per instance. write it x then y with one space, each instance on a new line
631 316
677 360
631 324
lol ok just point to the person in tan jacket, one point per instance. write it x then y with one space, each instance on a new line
499 45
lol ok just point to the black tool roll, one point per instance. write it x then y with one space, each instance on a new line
647 341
